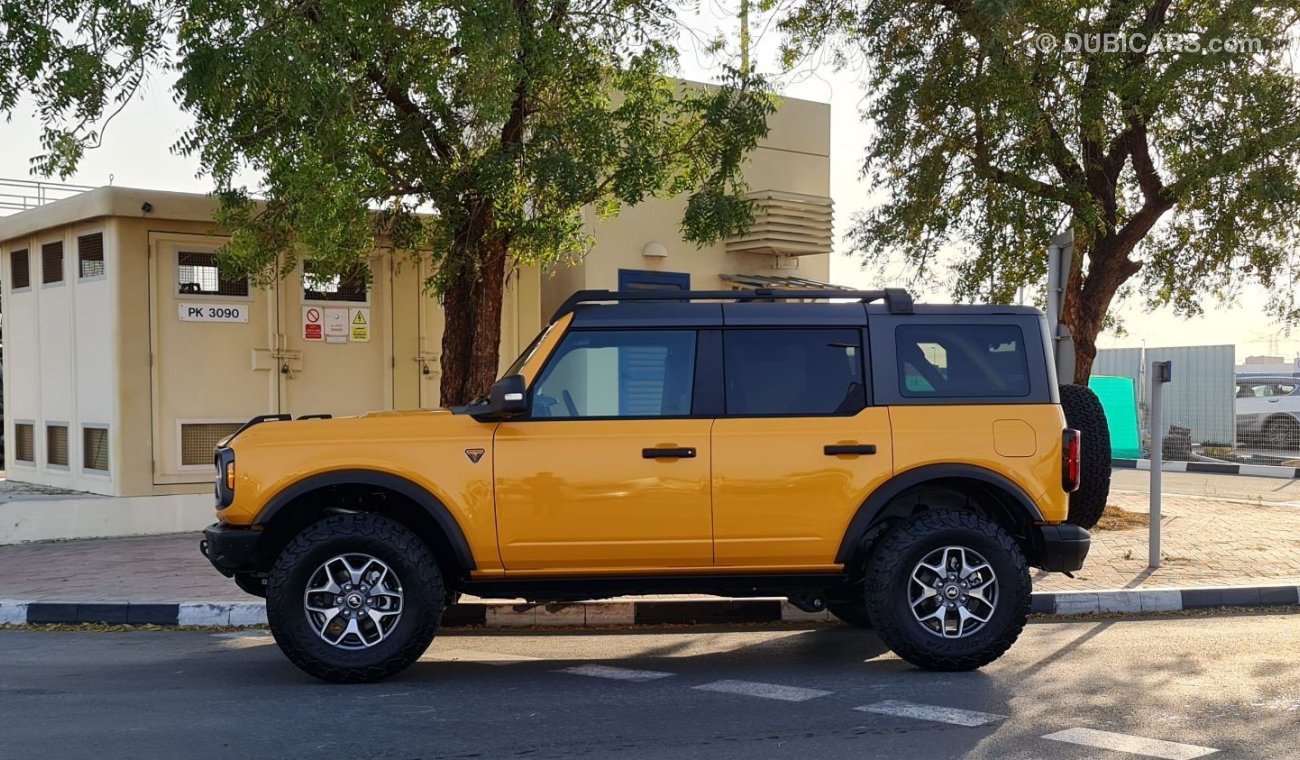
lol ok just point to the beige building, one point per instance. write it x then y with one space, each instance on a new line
128 351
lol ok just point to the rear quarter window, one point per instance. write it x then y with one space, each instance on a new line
961 361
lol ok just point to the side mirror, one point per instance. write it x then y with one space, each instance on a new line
509 398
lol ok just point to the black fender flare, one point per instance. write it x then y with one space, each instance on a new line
418 494
896 485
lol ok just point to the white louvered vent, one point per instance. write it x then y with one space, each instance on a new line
787 224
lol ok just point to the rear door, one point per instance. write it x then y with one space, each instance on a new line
798 449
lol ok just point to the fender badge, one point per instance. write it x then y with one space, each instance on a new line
474 455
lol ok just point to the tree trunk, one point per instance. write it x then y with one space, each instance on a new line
472 333
1087 299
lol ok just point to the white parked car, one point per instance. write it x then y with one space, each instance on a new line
1268 412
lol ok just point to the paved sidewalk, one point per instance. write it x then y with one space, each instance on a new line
1207 543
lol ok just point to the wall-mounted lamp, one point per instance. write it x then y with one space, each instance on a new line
655 249
147 207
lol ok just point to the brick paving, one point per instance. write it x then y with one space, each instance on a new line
1206 543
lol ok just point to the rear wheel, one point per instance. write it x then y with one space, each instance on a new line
948 590
354 598
1083 412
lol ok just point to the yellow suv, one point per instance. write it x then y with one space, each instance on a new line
902 466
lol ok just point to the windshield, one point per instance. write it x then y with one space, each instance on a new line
519 363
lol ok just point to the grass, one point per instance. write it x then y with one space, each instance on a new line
1114 518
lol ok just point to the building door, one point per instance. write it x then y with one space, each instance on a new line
798 450
336 335
213 337
600 478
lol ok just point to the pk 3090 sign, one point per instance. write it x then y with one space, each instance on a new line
213 312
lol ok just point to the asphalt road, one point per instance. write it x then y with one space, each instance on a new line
1266 490
1171 687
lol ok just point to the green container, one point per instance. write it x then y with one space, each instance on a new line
1119 402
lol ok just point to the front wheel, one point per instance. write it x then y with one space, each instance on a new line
354 598
1282 434
948 590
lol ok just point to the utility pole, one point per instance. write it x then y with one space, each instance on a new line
1161 373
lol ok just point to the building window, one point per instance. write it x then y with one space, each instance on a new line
199 274
94 448
199 441
636 279
20 268
25 445
793 372
90 255
352 286
56 445
52 263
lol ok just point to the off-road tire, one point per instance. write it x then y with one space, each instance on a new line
1083 412
384 539
851 611
888 585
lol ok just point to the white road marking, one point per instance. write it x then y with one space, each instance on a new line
764 690
1134 745
474 655
618 674
931 712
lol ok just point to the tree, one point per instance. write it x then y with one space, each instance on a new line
1165 134
471 133
80 62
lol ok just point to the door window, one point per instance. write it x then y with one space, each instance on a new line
618 373
793 372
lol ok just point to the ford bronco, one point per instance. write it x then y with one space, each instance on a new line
900 465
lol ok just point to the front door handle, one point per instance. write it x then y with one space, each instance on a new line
839 449
668 453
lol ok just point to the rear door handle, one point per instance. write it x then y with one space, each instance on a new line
839 449
668 453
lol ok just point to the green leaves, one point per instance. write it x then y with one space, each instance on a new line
497 121
1165 151
80 61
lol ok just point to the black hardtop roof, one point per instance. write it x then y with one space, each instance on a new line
604 308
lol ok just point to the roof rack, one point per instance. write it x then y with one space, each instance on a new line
897 300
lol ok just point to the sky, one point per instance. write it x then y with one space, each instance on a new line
136 152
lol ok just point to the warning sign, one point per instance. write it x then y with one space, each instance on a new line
312 328
336 325
360 320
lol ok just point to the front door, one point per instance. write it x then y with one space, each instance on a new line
798 450
610 471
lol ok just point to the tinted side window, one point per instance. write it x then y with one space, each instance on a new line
618 373
961 361
793 372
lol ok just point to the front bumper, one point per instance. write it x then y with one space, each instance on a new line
1063 547
231 549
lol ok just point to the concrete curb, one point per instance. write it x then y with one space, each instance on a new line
644 612
1257 470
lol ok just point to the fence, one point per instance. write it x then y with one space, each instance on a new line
21 194
1215 410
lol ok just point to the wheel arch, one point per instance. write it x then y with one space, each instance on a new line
957 486
393 496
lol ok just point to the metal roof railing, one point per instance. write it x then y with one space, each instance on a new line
897 300
22 194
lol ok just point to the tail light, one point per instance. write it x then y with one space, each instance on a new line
1071 452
